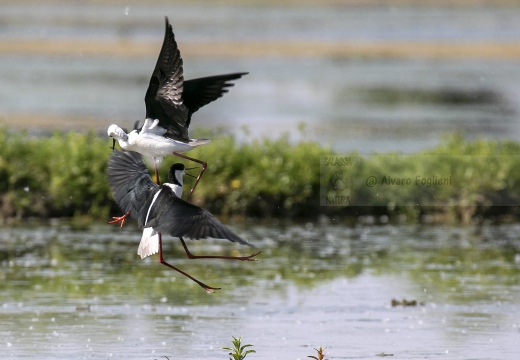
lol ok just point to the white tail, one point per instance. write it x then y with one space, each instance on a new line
149 244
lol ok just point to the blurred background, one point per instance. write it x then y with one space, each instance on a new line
357 75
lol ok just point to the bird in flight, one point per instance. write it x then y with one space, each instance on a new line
159 209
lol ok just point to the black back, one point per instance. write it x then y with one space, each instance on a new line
176 217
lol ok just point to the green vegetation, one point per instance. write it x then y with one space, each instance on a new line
61 175
483 179
65 176
261 178
238 351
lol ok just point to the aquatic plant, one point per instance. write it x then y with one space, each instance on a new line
238 351
320 355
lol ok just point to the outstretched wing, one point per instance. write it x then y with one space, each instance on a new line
163 98
130 182
176 217
171 99
201 91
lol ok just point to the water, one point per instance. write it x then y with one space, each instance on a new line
350 102
74 294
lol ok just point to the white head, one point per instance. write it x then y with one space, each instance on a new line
117 133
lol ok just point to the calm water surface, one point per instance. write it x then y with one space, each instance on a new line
70 294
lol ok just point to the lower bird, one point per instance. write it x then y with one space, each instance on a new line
159 209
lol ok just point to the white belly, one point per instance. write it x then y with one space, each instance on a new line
154 146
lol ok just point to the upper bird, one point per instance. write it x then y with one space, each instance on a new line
170 103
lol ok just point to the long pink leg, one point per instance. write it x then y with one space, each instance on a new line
242 258
161 260
204 165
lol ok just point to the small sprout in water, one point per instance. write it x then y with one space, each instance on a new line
384 354
320 354
238 352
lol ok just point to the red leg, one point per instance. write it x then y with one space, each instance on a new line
204 166
119 218
161 260
242 258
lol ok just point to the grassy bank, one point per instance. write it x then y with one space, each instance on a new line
65 176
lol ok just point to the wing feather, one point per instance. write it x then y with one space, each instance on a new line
163 98
130 182
176 217
171 99
201 91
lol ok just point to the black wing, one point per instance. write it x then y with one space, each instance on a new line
201 91
131 183
171 99
163 98
176 217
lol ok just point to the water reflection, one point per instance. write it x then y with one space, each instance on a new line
86 292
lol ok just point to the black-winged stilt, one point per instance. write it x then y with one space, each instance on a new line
170 102
158 209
